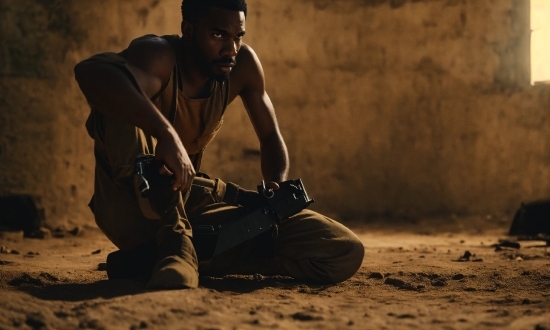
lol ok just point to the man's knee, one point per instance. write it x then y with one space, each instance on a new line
348 263
315 248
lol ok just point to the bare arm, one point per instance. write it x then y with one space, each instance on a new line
124 92
274 155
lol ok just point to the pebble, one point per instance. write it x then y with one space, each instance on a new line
76 231
458 276
35 321
439 283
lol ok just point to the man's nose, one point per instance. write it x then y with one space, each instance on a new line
229 49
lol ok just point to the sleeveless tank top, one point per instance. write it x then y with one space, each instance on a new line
197 121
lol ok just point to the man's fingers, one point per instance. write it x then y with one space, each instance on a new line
272 185
178 182
170 152
164 170
189 181
186 180
183 178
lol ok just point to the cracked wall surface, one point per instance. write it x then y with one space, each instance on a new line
389 108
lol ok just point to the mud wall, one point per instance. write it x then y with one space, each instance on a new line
393 108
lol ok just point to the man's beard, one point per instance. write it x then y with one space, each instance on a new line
224 76
207 67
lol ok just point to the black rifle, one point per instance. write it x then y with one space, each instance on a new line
273 206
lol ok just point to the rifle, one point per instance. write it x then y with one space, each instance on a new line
265 213
272 207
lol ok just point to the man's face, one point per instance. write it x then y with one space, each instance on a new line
216 40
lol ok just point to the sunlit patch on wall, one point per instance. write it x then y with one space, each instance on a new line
540 42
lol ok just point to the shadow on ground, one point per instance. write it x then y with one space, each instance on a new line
47 287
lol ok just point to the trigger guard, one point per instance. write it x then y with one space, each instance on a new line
269 193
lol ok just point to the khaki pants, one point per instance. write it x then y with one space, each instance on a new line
307 246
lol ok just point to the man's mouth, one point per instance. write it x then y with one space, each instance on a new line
225 65
226 68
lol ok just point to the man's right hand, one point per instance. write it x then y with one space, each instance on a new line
172 154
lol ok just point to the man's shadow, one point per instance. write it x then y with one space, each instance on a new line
46 287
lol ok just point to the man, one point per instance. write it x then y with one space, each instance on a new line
166 96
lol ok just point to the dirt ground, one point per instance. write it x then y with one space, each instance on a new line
415 275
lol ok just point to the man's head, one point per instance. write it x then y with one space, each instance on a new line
213 30
191 10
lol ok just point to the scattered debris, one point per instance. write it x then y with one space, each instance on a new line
440 282
502 248
76 231
468 256
35 321
301 316
91 324
6 250
507 243
49 277
398 283
61 232
32 280
458 277
26 280
376 275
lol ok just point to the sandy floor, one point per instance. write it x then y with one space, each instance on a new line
410 279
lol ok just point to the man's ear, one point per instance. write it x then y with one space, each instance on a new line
186 30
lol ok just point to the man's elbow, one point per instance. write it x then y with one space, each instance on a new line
272 138
86 75
81 71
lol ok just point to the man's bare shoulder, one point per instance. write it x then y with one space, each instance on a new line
248 71
152 54
247 58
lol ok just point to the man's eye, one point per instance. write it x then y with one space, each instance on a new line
217 35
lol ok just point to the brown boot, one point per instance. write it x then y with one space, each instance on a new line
177 266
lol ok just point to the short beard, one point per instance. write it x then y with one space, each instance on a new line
205 66
219 77
224 76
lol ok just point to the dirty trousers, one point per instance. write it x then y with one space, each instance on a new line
307 246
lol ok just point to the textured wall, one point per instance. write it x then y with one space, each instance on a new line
388 107
44 149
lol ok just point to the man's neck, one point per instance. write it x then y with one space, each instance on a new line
195 83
